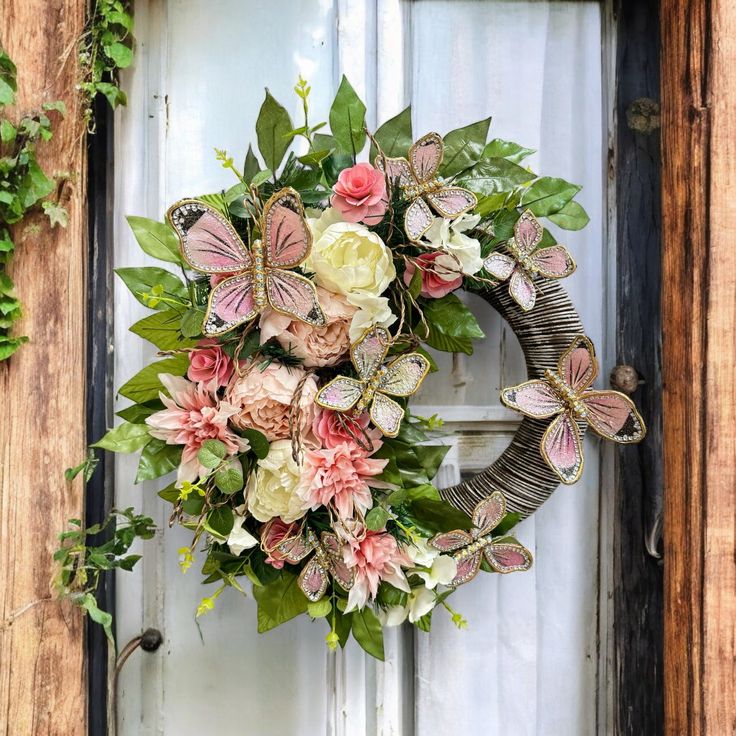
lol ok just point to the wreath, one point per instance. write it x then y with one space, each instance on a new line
311 297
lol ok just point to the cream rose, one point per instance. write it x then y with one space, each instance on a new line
271 488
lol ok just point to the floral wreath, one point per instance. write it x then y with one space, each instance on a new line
295 338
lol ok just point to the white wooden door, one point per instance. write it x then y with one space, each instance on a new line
529 662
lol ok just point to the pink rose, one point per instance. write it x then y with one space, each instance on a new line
209 364
440 273
360 194
333 428
263 398
317 346
272 534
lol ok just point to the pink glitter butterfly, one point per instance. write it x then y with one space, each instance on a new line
418 180
401 377
327 560
566 396
525 262
503 555
259 278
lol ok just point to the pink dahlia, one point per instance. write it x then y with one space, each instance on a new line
192 415
339 476
375 557
360 194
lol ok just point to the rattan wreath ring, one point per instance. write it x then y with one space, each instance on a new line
544 333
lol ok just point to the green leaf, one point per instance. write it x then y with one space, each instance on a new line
259 445
571 217
251 166
547 196
56 213
157 459
434 516
464 147
347 119
509 150
221 520
279 601
114 95
367 631
319 609
211 453
89 604
394 136
261 177
155 238
125 438
273 130
376 518
452 326
7 96
8 345
430 457
138 413
170 493
230 479
192 321
415 285
142 280
493 176
120 54
163 330
7 131
145 385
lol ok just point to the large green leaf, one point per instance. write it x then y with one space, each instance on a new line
571 217
156 238
125 438
464 147
251 166
434 516
368 633
452 326
347 119
548 195
163 330
157 459
394 136
279 601
147 278
494 176
138 413
509 150
145 385
273 129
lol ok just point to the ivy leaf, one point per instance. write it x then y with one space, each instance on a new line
499 148
259 445
155 238
8 345
571 217
114 95
7 96
548 195
464 147
56 213
452 326
163 330
394 136
347 119
279 601
273 129
7 131
157 459
121 54
145 385
125 438
147 278
367 631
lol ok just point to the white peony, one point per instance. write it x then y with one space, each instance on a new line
449 235
271 488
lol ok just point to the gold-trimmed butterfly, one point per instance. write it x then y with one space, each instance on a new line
327 560
525 262
566 395
469 547
376 381
420 184
256 278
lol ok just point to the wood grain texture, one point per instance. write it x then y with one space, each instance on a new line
699 355
42 430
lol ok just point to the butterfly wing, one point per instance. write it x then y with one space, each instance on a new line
452 201
397 169
425 157
522 290
341 393
467 568
578 366
527 233
499 265
562 448
230 304
386 414
508 557
417 219
293 294
534 398
285 231
369 352
294 549
488 514
613 416
404 375
553 262
208 240
450 541
313 580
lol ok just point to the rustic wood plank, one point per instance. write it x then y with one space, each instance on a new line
699 356
42 431
637 574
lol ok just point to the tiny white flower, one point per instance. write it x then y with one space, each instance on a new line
421 602
372 310
240 538
393 615
442 572
449 235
